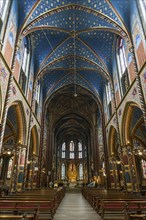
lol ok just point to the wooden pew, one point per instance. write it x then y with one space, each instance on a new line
10 216
38 203
136 209
24 207
116 204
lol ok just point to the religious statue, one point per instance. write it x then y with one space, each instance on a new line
72 172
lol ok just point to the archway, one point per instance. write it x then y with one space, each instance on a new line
114 161
134 139
32 167
13 146
71 118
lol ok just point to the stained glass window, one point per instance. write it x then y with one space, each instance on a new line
79 146
142 4
63 154
81 171
121 58
3 8
80 154
108 93
71 146
63 146
80 150
63 149
63 172
72 155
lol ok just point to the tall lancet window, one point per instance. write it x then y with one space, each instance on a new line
142 4
109 98
63 171
122 65
80 155
3 8
23 79
81 171
4 5
63 149
71 149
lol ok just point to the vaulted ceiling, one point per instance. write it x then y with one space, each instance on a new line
73 40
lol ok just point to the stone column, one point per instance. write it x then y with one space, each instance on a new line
15 169
24 184
32 172
5 109
119 140
106 156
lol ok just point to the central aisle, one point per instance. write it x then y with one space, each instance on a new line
75 207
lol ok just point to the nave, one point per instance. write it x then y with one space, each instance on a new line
73 203
72 109
75 207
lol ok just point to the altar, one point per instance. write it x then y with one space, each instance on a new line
72 175
72 184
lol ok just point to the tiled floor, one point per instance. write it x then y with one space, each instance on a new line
75 207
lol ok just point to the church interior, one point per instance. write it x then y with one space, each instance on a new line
72 108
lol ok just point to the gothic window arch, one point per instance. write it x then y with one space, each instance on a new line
71 149
63 171
3 12
37 97
80 150
142 7
24 76
109 98
122 65
63 150
81 171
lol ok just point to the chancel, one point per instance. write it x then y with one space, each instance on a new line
72 109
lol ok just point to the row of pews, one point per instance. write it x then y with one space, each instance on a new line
31 205
116 205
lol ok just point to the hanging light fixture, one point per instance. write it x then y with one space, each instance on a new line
75 74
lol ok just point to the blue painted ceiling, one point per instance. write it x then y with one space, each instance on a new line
73 40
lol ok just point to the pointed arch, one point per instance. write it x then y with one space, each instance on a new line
16 118
112 141
132 117
34 140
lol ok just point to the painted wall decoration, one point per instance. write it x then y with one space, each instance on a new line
9 42
30 83
116 83
143 81
138 36
4 76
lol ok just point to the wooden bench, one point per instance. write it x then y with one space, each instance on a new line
116 205
10 216
39 203
136 209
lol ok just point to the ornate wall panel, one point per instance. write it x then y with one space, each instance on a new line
143 82
4 76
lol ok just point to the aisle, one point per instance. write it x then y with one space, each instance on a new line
75 207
